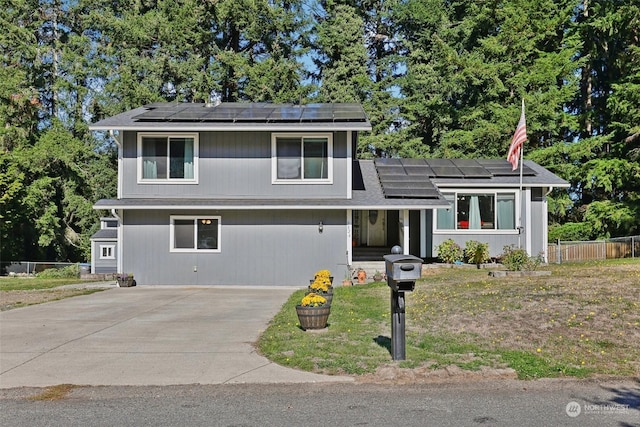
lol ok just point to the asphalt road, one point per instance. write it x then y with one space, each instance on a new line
497 403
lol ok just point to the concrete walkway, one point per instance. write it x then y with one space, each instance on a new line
145 336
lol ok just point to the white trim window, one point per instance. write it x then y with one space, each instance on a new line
167 158
107 251
302 158
195 233
478 211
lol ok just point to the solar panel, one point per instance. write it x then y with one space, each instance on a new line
317 112
252 112
387 162
508 171
405 178
491 162
391 170
465 162
413 162
419 170
286 113
447 172
474 172
439 162
411 193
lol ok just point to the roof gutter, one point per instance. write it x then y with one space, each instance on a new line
241 207
238 127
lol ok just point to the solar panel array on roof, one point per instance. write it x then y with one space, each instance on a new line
400 179
251 112
411 178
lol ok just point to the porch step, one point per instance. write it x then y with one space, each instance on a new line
363 253
370 267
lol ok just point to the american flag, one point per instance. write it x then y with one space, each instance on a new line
519 137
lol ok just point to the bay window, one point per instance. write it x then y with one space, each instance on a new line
478 211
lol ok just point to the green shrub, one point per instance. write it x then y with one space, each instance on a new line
69 272
476 252
571 231
514 258
449 251
533 263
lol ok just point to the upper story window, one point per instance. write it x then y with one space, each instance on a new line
302 158
167 158
478 211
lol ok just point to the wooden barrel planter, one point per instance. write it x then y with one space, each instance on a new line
326 295
313 317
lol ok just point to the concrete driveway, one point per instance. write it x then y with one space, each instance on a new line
145 336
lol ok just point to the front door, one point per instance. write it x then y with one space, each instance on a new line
376 230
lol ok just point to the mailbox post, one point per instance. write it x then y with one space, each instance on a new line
402 273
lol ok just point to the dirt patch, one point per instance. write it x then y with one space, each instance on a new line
426 374
579 317
16 299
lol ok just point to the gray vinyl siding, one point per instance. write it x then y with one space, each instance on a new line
538 200
102 266
234 164
281 248
496 242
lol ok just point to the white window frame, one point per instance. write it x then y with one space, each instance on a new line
195 219
168 135
494 192
111 249
301 180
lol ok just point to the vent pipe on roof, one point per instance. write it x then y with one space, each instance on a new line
214 101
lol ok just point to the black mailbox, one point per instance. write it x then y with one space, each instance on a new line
402 271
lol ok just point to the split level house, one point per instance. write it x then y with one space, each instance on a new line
267 194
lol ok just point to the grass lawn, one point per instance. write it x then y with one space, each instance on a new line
581 321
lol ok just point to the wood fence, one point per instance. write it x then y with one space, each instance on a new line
621 247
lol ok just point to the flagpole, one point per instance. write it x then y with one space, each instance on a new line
515 155
520 230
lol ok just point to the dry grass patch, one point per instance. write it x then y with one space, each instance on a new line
56 392
23 298
583 320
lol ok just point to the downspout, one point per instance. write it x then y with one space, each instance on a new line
545 227
114 212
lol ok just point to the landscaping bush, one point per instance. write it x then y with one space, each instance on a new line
476 252
449 251
69 272
517 259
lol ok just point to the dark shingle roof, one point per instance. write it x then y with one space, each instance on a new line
106 233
